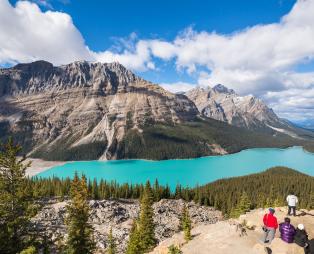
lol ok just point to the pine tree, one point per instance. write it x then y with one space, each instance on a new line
178 192
146 223
245 203
268 202
172 249
142 236
233 213
157 193
134 246
80 232
197 194
186 223
277 203
310 204
242 207
260 200
95 191
29 250
16 205
112 245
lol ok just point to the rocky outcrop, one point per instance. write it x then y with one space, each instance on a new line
81 106
224 104
91 111
119 215
224 237
248 112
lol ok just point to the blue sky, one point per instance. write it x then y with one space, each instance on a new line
260 47
103 23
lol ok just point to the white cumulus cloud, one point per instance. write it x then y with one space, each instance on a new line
138 59
261 59
28 34
178 86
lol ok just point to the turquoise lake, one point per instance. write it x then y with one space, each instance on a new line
189 172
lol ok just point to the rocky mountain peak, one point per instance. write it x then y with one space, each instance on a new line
224 104
200 90
83 104
42 76
219 88
114 71
34 67
114 68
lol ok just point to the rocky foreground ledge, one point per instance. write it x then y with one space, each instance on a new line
119 215
224 238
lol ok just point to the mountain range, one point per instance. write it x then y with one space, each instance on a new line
249 112
305 123
104 111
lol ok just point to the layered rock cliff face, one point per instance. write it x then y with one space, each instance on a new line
89 111
82 106
224 104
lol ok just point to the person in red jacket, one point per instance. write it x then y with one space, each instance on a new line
270 226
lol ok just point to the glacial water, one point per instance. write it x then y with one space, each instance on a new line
189 172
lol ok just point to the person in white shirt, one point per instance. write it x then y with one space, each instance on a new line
292 201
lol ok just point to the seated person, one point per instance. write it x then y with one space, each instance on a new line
287 231
301 238
270 226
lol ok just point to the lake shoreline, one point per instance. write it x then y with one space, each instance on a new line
189 172
40 165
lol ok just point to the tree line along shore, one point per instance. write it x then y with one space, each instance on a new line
265 189
20 196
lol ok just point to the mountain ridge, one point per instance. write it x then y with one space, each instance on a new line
84 102
224 104
86 110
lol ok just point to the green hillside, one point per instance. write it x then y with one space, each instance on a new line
193 139
160 142
265 189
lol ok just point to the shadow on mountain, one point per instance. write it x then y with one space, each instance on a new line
17 119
